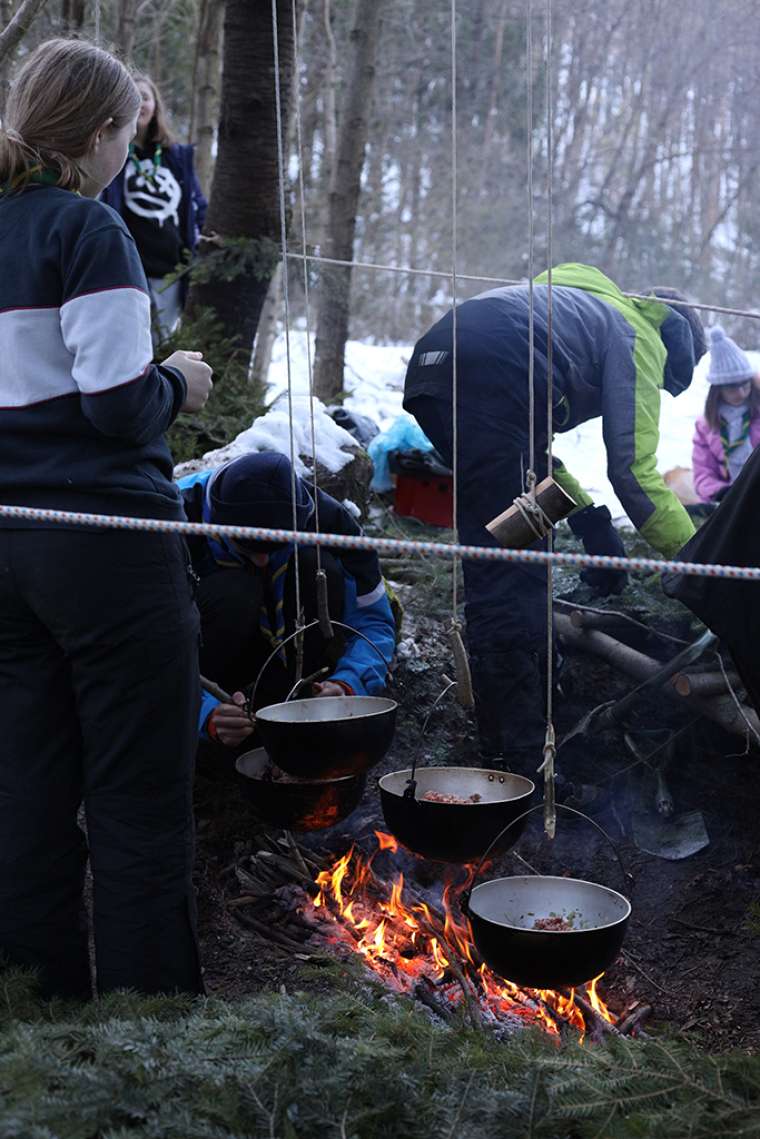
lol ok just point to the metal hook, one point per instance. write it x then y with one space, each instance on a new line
627 876
252 689
411 783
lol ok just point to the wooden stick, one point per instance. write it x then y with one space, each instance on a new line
426 997
296 852
721 709
591 1016
285 865
215 690
634 1019
582 620
268 932
510 528
702 683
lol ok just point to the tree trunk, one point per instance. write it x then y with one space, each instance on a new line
72 16
125 33
243 220
206 87
17 27
6 14
329 91
266 333
335 282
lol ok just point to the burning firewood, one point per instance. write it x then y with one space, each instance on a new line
419 949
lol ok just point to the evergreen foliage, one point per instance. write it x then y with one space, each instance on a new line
354 1063
235 401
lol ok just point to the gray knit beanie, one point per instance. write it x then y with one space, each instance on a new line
728 364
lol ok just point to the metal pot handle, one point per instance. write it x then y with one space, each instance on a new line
252 689
627 877
411 783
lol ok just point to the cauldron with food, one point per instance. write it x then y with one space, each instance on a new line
453 813
297 804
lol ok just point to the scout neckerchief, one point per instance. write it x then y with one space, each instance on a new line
221 550
729 446
149 171
39 176
273 631
272 627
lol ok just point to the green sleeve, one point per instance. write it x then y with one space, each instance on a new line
570 484
631 385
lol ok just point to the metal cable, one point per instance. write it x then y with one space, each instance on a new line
751 314
307 299
550 748
455 346
530 474
286 298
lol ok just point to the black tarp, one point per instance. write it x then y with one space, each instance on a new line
731 608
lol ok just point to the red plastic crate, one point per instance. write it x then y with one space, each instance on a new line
427 497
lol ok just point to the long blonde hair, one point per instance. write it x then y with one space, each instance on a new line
61 97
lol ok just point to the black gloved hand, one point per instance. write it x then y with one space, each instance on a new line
593 525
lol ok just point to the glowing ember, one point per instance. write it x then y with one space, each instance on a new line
410 943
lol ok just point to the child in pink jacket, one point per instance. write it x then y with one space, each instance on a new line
729 431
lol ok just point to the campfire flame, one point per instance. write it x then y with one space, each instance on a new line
405 944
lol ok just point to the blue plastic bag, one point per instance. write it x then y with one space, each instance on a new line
404 434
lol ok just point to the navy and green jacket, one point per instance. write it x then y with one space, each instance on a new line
366 605
612 357
83 408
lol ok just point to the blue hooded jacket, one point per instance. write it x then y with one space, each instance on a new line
255 490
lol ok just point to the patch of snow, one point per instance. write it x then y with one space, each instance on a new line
374 381
352 508
271 432
374 375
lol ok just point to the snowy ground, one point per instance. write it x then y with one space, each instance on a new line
374 378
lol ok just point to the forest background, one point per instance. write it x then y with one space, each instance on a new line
655 149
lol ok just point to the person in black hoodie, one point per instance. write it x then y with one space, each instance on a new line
99 686
159 196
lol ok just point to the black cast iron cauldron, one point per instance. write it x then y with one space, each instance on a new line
503 913
453 832
297 804
326 737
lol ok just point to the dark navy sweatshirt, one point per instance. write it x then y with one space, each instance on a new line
83 409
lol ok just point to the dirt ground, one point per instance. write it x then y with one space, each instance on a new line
691 947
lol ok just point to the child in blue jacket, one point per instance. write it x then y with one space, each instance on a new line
246 593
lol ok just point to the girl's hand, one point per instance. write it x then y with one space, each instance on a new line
197 377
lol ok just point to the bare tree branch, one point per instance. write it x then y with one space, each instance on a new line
11 36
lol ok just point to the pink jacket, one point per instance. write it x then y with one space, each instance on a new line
708 458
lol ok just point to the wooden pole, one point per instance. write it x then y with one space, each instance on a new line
721 709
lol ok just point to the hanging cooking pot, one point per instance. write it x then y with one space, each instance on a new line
296 804
546 932
451 813
454 811
326 737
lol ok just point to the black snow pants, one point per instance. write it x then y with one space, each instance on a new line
99 698
505 604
